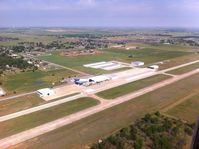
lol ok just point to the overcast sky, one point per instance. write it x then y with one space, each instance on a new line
106 13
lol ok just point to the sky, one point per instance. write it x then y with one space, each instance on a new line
99 13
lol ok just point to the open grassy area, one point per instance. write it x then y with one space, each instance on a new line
148 55
178 61
187 110
20 103
130 87
25 122
103 124
184 69
30 81
24 102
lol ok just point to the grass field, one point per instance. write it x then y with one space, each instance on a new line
30 81
24 102
20 103
148 55
130 87
178 61
103 124
184 69
25 122
187 110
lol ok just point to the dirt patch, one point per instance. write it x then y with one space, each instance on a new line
80 52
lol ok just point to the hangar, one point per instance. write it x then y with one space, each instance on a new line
45 92
2 92
98 79
153 67
91 80
109 65
137 63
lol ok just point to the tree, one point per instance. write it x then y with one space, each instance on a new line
138 143
125 132
188 130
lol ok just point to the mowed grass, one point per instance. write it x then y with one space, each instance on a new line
178 61
97 126
20 103
25 102
148 55
187 110
130 87
184 69
31 81
29 121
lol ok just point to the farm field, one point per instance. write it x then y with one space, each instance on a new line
25 122
187 110
148 55
20 103
25 38
171 47
130 87
184 69
30 81
100 125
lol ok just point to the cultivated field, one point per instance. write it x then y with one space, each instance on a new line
99 125
25 38
130 87
25 122
30 81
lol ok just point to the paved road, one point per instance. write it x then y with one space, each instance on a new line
179 66
34 132
158 72
94 89
74 70
16 96
61 66
38 108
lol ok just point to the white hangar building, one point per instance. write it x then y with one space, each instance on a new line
45 92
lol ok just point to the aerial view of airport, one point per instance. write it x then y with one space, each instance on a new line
97 86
